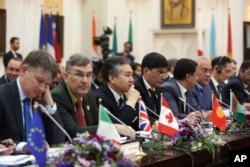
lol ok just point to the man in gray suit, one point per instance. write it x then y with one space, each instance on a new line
76 103
185 77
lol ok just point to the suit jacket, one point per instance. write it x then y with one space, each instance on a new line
8 56
172 92
67 112
11 118
127 115
3 80
140 86
206 102
236 85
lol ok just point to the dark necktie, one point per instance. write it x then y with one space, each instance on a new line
202 98
121 104
187 109
80 118
219 91
27 117
153 98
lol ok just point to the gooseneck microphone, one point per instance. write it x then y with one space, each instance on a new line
188 105
44 110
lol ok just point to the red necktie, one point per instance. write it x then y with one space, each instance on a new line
80 119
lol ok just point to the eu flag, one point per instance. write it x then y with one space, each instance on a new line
36 140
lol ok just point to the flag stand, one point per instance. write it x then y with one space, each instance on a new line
140 152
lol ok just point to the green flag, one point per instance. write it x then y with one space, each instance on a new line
106 127
130 31
114 48
237 109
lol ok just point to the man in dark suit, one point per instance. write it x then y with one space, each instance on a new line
76 89
118 94
154 72
221 71
185 77
97 75
36 72
128 48
240 85
11 71
202 91
14 46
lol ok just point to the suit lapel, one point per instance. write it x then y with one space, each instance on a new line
16 105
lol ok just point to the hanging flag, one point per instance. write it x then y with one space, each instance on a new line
167 122
94 47
237 109
50 42
199 35
144 123
106 127
229 40
130 30
36 140
218 117
57 39
42 42
212 38
114 48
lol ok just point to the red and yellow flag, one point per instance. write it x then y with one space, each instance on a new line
218 117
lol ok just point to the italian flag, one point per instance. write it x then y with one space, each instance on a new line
106 127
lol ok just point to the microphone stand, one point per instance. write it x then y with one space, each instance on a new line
188 105
44 110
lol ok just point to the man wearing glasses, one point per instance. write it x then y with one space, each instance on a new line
154 72
76 103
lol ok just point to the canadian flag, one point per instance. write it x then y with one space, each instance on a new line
167 122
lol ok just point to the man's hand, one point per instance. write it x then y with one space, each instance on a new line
132 96
125 130
8 143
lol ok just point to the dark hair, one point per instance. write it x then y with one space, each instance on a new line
112 66
43 60
245 65
14 58
12 40
183 67
154 60
171 63
135 65
130 43
97 67
220 61
77 60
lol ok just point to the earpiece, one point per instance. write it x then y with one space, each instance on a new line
219 65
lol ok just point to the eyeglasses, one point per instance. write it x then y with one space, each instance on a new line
160 72
82 75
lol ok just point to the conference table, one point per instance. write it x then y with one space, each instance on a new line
202 158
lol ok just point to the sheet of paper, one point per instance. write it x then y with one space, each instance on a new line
3 149
16 159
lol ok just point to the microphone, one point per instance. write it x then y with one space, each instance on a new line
151 111
44 110
188 105
224 103
247 92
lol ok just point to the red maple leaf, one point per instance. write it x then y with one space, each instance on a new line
169 117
